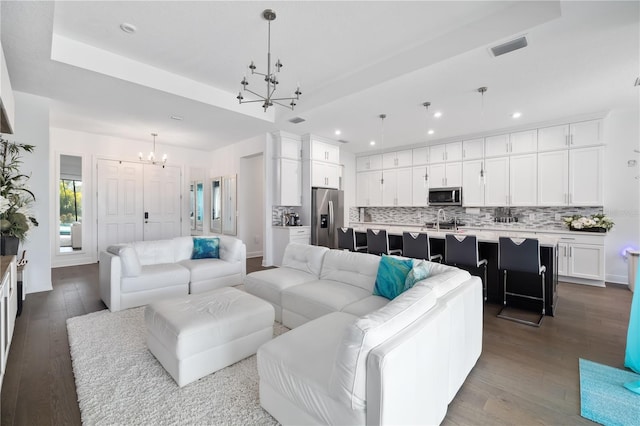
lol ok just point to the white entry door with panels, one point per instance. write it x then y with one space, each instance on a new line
137 202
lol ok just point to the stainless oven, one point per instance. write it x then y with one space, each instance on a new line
445 196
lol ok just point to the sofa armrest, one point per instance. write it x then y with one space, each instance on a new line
407 375
110 274
234 250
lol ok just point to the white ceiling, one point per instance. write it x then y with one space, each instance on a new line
353 60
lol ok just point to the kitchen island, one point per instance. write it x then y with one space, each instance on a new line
488 247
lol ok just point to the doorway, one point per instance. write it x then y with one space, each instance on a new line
251 203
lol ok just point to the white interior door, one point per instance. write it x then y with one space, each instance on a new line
119 203
161 202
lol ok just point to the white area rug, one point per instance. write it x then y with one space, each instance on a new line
120 382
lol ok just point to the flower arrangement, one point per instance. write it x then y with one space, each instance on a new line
595 221
16 218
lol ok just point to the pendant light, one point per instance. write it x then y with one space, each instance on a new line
426 106
482 90
382 117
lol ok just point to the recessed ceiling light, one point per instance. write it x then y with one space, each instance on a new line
430 132
372 143
128 28
176 117
437 114
516 115
337 132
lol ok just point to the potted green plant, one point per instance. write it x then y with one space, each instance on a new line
16 218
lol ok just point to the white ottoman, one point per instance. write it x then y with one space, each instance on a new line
196 335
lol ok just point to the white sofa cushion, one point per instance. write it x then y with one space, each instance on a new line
206 269
356 269
182 248
348 379
128 259
298 365
366 305
442 278
304 257
317 298
156 276
270 283
154 252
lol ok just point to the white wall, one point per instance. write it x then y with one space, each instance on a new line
32 127
93 147
621 189
251 204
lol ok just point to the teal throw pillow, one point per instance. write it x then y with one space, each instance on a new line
419 272
206 248
392 273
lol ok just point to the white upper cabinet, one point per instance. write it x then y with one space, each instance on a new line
392 160
369 189
523 142
523 182
553 178
496 145
287 147
574 135
473 149
325 175
585 133
420 156
585 176
444 175
396 187
496 174
445 152
514 143
370 162
552 138
321 151
420 185
288 182
473 183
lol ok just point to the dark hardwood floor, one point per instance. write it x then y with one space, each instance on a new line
525 375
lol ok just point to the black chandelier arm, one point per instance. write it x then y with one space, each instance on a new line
285 99
282 105
242 101
254 93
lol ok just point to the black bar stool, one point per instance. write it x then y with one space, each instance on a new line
416 245
462 250
378 242
348 239
521 255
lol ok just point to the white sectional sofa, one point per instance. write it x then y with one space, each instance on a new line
356 358
142 272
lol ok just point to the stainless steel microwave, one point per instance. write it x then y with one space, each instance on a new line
445 196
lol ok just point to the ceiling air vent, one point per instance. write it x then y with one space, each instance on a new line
342 141
296 120
509 46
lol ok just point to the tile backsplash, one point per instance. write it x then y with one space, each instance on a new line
529 217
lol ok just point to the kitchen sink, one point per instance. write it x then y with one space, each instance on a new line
447 225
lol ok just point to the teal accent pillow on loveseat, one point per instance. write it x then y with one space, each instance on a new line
206 248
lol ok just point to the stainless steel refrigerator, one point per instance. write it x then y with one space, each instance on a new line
327 214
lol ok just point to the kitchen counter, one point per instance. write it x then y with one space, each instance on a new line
488 249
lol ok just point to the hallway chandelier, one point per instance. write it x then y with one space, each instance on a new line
151 158
270 77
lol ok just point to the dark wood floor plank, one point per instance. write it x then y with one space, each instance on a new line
524 376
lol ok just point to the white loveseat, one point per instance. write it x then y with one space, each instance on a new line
142 272
356 358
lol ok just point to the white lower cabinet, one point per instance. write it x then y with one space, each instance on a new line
283 235
396 189
581 259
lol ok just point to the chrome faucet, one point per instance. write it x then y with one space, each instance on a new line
444 217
